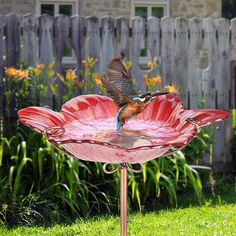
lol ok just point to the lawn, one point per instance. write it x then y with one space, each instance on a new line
217 216
205 220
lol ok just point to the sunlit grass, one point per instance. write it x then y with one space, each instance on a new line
206 220
216 216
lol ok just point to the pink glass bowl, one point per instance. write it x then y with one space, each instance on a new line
85 128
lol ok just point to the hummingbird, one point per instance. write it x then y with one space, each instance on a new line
118 83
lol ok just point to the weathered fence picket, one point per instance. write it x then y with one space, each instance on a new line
222 78
167 50
12 60
210 73
137 43
222 88
122 38
46 39
92 40
12 40
107 40
194 57
30 38
77 38
61 32
153 37
181 58
233 64
197 56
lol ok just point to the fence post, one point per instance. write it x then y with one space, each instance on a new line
209 74
194 54
12 60
77 38
92 40
138 43
61 30
181 59
45 39
77 43
233 59
153 37
222 136
167 50
46 47
107 40
122 38
30 42
12 40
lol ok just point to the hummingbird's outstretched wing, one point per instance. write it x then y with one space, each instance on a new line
120 77
119 97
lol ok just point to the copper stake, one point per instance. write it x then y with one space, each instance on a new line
124 167
123 200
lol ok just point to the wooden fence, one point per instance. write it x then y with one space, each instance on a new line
197 56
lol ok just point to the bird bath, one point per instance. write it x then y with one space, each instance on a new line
85 129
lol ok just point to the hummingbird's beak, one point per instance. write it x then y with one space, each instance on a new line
159 93
154 95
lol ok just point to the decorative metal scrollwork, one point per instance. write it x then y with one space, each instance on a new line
120 166
194 121
54 131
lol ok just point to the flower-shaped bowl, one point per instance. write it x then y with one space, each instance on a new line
85 128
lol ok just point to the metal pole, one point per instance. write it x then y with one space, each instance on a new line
123 200
124 167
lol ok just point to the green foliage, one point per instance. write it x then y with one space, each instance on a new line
162 179
38 184
202 144
35 177
207 220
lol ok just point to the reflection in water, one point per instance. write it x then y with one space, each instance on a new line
125 137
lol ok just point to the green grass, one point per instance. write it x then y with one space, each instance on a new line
217 216
206 220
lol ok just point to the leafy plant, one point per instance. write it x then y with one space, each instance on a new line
35 170
40 184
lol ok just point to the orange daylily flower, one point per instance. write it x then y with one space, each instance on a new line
71 75
38 69
156 79
10 71
16 74
21 74
151 82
